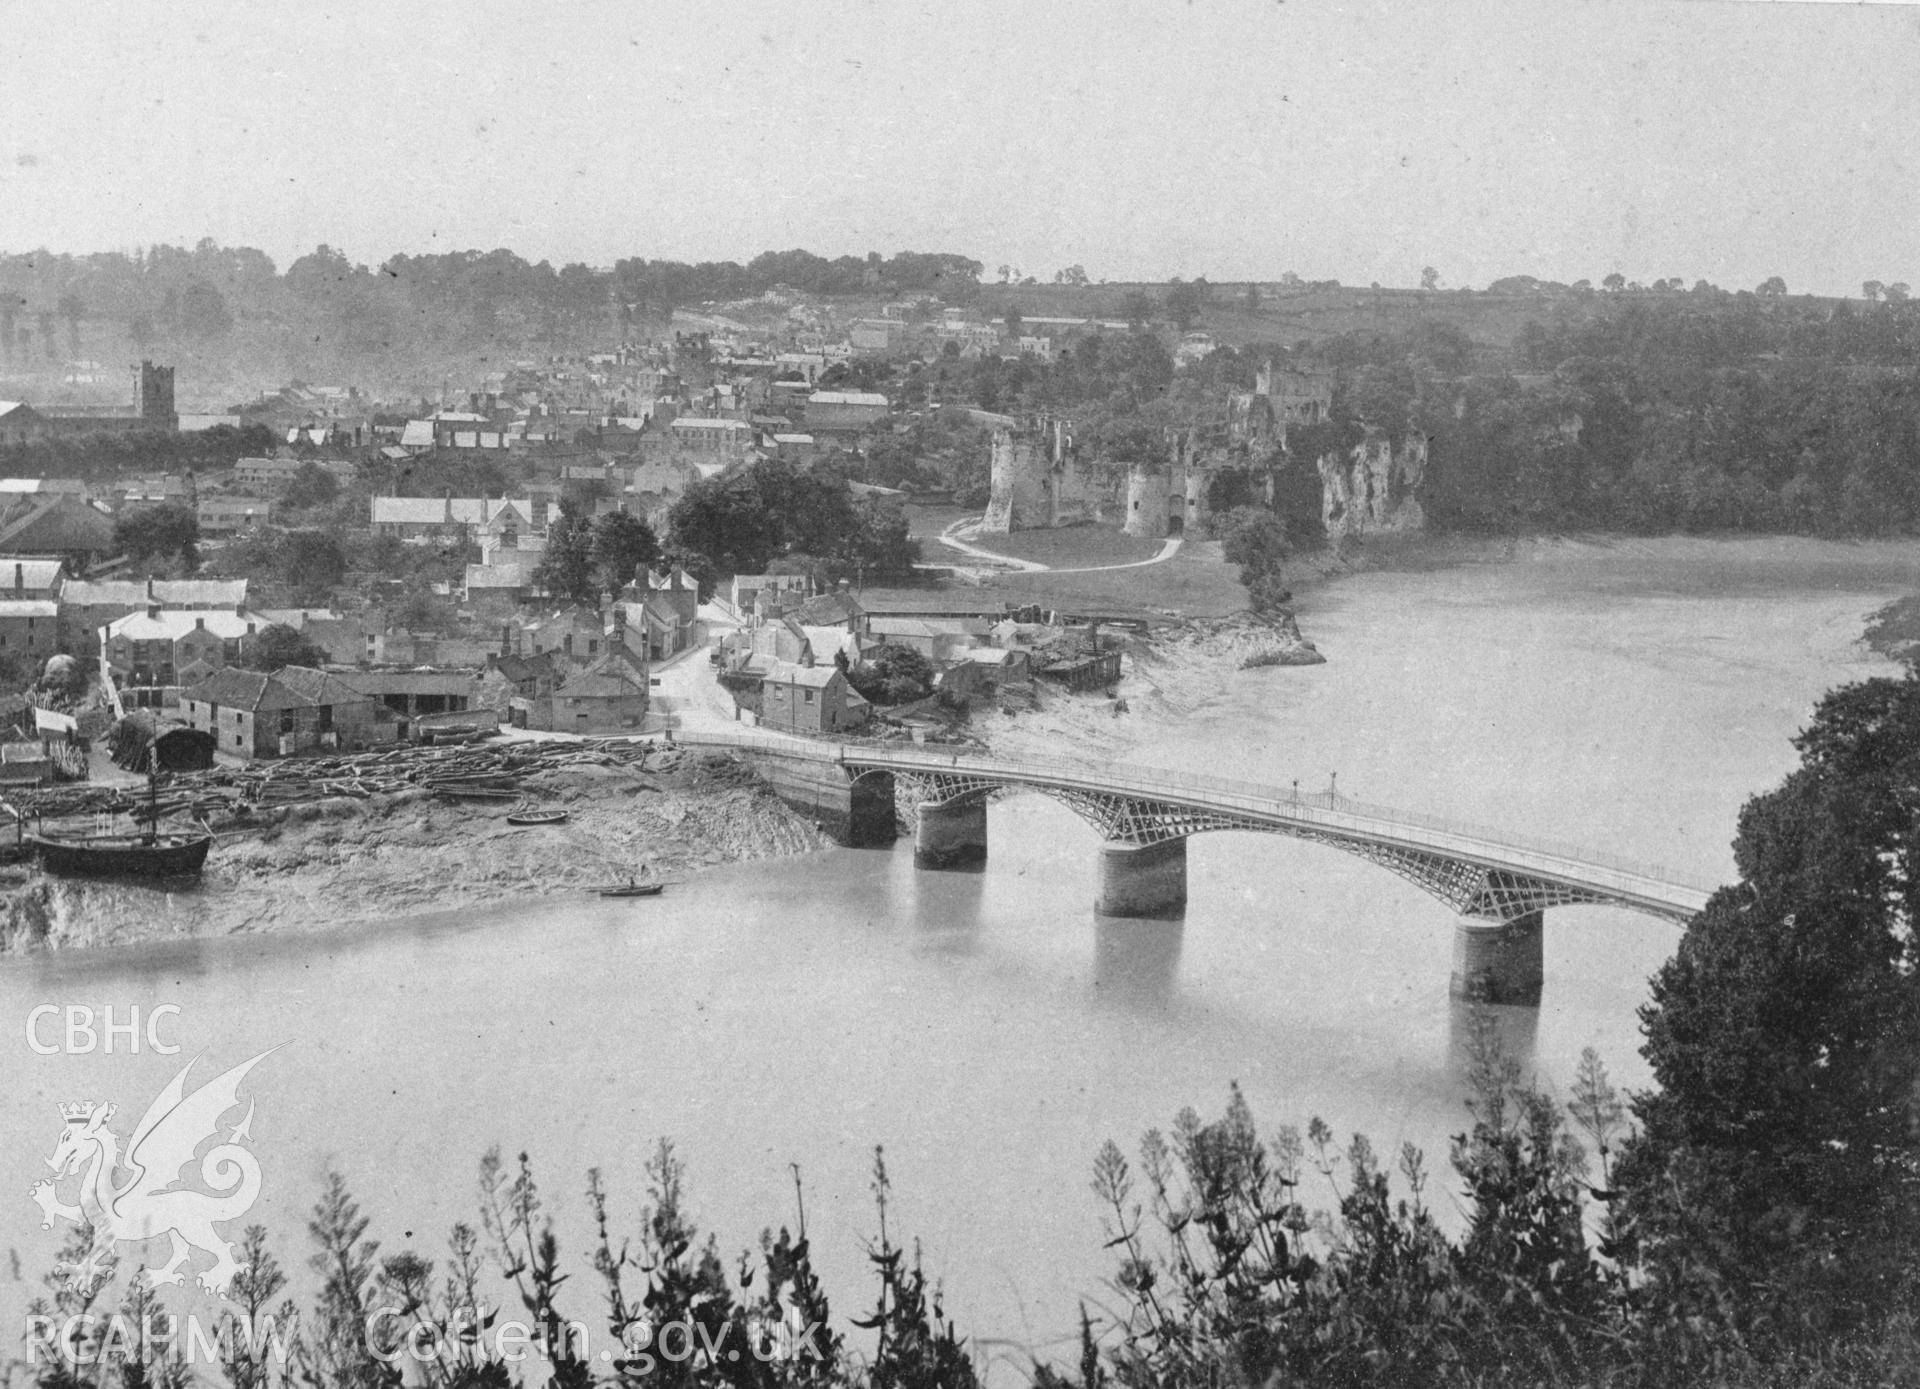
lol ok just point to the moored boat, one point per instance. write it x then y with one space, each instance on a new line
634 890
124 855
537 817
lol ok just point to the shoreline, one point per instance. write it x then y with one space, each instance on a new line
339 863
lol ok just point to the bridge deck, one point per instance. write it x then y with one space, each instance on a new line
1644 886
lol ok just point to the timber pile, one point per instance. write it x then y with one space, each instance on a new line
471 771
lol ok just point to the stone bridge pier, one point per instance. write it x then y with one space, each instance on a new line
951 834
1143 880
1498 961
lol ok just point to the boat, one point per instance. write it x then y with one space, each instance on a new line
144 854
474 793
149 855
537 817
634 890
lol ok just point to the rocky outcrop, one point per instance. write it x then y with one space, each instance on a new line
1375 488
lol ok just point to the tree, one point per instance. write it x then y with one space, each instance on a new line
1871 290
1072 275
1773 1177
893 675
1182 302
1256 540
1136 308
567 568
312 486
1614 283
1773 287
280 645
168 530
312 562
621 545
1897 292
1429 278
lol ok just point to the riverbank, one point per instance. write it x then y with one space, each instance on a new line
340 861
1164 678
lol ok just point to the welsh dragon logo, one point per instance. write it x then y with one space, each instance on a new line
132 1197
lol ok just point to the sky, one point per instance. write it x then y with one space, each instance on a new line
1141 139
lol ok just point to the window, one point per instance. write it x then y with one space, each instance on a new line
809 696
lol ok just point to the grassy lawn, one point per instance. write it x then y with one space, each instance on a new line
1067 547
925 522
1194 583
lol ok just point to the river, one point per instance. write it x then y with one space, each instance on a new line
987 1028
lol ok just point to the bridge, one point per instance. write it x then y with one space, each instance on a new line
1498 884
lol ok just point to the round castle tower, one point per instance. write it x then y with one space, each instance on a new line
1148 492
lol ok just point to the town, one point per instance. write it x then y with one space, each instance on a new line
773 523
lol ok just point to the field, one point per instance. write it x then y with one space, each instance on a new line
1194 583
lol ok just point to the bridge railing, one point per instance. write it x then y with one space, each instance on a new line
1326 808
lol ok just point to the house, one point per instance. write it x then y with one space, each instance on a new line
290 711
845 411
721 437
21 423
266 472
58 525
810 699
876 334
609 696
11 487
753 595
413 694
29 629
938 638
231 515
87 605
676 588
840 609
21 577
156 645
783 639
413 517
575 632
1002 665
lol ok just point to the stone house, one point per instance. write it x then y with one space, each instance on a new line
291 711
810 699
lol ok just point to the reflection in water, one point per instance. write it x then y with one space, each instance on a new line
1514 1030
944 906
1136 962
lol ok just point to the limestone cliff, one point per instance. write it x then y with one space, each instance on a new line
1375 488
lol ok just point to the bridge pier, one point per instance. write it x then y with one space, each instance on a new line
1497 961
1143 880
951 834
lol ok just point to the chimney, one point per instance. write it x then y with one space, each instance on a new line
150 590
200 624
239 609
506 639
153 610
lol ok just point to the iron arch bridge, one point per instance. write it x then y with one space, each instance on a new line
1478 872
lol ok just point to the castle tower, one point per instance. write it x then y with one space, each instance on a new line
153 396
1148 494
1021 492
